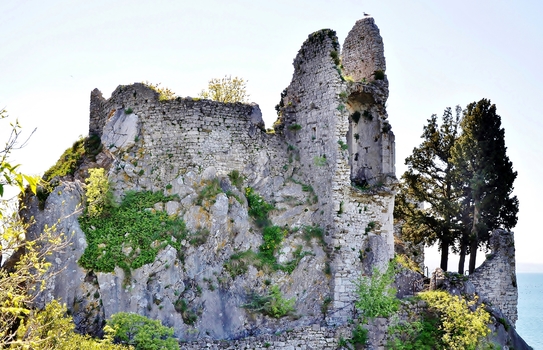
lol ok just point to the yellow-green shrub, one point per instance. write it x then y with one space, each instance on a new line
462 328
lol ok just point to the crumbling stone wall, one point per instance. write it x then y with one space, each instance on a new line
166 145
335 151
363 52
495 279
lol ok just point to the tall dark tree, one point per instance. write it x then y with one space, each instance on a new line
487 175
427 202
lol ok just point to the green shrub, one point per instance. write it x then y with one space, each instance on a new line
273 236
386 127
236 179
462 328
272 304
258 207
68 162
140 331
423 334
341 107
359 335
335 57
128 111
199 237
370 227
379 75
376 297
342 145
240 262
129 235
188 315
209 192
164 94
319 161
295 127
355 117
98 194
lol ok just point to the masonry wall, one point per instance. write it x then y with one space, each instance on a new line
173 137
495 279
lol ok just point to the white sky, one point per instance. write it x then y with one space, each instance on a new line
439 54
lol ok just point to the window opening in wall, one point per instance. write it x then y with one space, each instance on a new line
314 132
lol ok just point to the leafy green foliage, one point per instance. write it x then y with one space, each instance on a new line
240 262
130 235
376 297
140 331
68 161
294 127
189 316
486 175
423 334
227 89
272 237
98 194
379 75
461 328
236 179
342 145
319 161
258 207
50 328
209 192
272 304
430 179
335 57
164 94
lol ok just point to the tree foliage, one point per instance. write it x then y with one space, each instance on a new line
227 89
458 185
486 175
140 332
427 200
9 172
24 273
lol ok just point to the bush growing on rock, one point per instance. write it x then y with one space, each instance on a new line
140 331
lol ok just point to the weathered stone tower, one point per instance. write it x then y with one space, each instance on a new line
334 114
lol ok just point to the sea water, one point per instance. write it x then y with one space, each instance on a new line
530 308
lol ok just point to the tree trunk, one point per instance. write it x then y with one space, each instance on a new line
462 260
474 238
473 255
444 253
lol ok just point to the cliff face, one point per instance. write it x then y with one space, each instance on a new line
331 136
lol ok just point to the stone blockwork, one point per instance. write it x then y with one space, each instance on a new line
363 52
496 280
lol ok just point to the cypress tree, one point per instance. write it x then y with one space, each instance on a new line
427 202
487 176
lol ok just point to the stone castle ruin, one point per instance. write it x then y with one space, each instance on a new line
332 121
327 163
